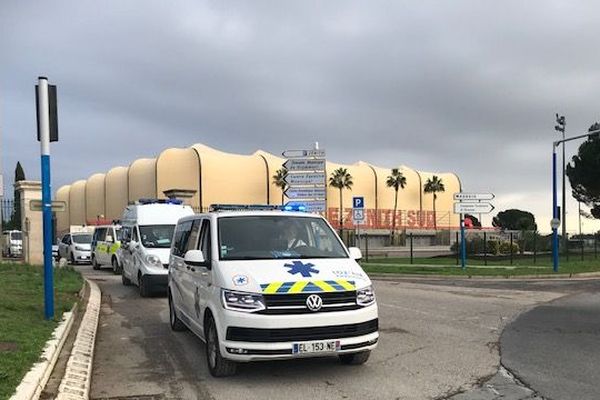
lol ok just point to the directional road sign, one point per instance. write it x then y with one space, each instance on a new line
358 215
317 153
358 202
473 196
309 164
36 205
296 193
305 178
313 206
473 208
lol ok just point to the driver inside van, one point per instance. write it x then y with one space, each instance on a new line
293 236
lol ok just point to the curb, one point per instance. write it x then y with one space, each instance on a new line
35 380
75 384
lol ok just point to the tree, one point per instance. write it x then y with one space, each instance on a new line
584 173
341 179
434 185
513 219
279 180
15 218
474 220
397 181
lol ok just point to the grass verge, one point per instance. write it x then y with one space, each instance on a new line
447 266
23 329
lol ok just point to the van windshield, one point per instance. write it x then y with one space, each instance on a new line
82 239
277 237
156 236
16 236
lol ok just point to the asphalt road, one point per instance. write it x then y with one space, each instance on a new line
555 348
437 338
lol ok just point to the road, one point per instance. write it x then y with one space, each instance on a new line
437 338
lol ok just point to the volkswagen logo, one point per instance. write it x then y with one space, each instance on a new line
314 302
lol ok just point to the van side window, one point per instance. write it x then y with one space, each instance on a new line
101 235
194 235
181 237
65 239
205 247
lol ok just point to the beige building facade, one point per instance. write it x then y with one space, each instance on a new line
219 177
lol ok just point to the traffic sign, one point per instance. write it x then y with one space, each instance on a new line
317 153
314 206
358 215
305 178
473 208
554 223
36 205
296 192
358 202
473 196
309 164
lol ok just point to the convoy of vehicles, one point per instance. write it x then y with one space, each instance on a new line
146 233
76 247
106 243
262 285
12 243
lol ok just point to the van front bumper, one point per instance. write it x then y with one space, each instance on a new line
82 256
254 337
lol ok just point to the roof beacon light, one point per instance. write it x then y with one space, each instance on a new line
160 201
294 207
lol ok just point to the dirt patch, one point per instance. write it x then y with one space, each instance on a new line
8 346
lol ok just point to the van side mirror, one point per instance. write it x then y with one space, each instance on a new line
195 258
355 253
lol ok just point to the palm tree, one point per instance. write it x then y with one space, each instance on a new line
341 179
397 181
434 185
279 180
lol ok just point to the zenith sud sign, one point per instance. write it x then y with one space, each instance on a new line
382 219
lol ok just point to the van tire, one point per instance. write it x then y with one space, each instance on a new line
217 365
115 266
125 280
143 285
355 358
95 264
174 321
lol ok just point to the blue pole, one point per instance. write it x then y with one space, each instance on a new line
554 212
463 245
44 131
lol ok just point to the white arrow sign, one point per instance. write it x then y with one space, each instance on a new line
305 193
473 208
473 196
304 153
304 165
305 178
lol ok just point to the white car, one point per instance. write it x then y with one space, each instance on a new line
146 233
76 247
265 285
12 243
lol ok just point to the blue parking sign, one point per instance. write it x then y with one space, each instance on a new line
358 202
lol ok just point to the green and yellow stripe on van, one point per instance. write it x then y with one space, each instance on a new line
338 285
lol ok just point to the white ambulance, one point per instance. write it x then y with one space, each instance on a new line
146 232
259 284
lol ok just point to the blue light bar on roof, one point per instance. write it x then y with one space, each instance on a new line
160 201
294 207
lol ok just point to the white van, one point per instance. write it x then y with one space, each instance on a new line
105 247
146 233
264 285
12 243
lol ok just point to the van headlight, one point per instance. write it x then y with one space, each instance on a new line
365 297
242 301
79 248
153 260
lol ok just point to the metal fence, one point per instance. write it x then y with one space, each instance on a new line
8 214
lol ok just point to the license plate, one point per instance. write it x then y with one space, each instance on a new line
323 346
84 257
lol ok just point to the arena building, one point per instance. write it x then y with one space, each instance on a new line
218 177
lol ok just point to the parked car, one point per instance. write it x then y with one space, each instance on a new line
147 230
12 243
264 285
76 247
106 242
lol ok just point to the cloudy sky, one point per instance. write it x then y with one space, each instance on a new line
463 86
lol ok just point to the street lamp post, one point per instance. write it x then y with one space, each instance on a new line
560 126
594 133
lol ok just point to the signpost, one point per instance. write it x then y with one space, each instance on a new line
38 205
47 124
470 203
305 179
358 213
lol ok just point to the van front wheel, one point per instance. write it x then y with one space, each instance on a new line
355 358
217 365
